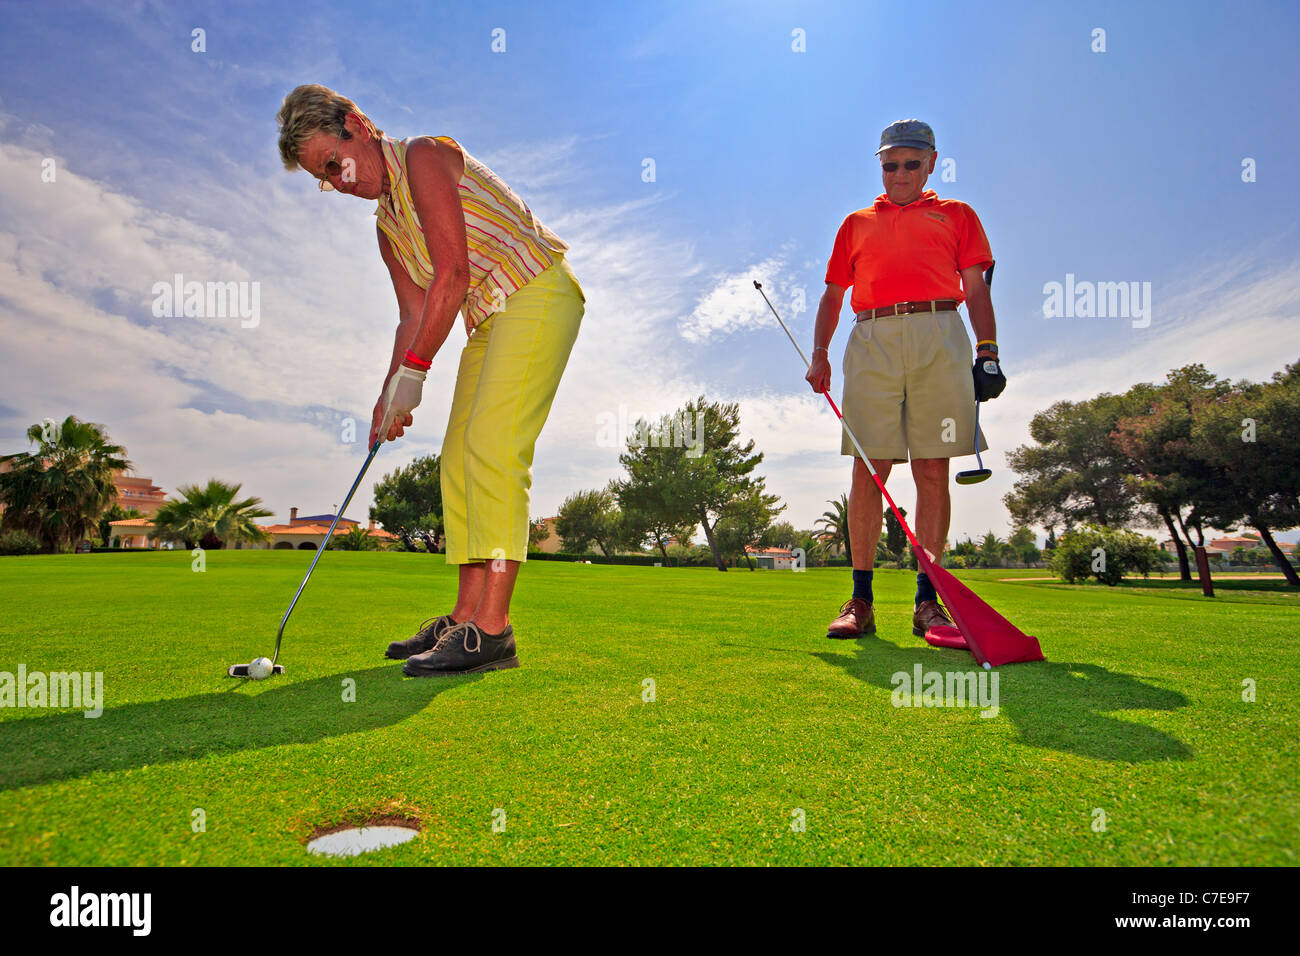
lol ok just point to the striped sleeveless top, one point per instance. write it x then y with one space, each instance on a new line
508 246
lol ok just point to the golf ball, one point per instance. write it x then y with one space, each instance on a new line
260 668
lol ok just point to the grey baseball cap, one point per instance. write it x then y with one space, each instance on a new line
911 133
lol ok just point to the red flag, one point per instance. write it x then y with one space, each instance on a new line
987 634
983 631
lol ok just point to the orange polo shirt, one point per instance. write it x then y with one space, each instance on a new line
890 253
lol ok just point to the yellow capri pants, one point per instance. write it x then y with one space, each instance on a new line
509 372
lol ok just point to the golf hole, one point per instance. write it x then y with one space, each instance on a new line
353 840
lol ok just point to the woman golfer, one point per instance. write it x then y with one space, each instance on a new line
455 239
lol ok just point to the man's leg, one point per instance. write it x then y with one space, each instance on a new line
857 616
933 510
866 511
940 422
933 503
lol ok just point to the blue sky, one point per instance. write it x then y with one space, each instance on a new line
1115 166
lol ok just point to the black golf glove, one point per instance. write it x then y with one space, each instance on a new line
989 380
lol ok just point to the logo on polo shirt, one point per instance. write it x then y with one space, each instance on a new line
937 215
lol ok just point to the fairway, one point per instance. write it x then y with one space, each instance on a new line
756 721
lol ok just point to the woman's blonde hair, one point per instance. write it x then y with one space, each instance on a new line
313 109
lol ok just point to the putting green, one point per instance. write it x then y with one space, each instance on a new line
660 716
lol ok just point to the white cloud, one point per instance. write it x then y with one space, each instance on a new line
732 304
529 167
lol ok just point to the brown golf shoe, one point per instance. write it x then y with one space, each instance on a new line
928 614
857 619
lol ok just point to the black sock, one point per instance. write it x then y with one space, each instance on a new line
924 589
862 586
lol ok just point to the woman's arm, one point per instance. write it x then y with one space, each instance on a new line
435 169
426 315
410 303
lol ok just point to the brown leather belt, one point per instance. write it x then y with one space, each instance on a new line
907 308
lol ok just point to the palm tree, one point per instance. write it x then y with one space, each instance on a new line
356 538
211 516
992 551
834 526
58 492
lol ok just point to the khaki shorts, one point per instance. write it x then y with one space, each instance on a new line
908 388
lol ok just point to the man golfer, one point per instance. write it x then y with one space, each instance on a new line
456 239
909 387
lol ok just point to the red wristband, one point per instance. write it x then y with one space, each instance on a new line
413 359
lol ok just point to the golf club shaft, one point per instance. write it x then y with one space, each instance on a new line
921 553
988 281
329 536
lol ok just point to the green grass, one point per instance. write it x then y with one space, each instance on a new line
1138 712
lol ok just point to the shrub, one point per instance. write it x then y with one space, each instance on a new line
1104 553
18 542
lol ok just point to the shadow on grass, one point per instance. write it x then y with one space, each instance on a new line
66 745
1058 706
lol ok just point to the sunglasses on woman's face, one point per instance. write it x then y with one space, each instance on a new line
912 165
332 169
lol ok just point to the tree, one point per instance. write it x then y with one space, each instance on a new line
745 524
992 551
356 538
1074 473
781 534
813 550
411 498
211 516
1155 438
709 474
833 527
58 492
587 516
1245 446
537 533
1104 553
968 552
722 474
895 536
1023 546
651 499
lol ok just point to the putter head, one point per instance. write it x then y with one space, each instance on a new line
241 670
973 477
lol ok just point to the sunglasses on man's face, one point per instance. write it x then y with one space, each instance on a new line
912 165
